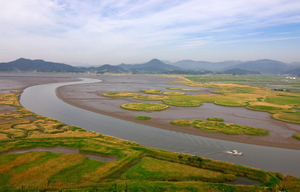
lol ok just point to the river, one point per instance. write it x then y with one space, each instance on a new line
42 100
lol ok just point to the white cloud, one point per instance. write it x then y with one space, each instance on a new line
105 26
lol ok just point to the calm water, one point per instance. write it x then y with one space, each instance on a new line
42 100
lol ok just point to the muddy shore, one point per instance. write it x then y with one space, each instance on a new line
90 97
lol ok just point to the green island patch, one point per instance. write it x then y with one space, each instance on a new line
297 136
145 106
214 126
182 89
288 117
151 97
174 93
183 103
268 108
152 91
142 117
214 119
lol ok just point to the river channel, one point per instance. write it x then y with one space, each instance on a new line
42 100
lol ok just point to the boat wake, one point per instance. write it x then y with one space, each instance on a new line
234 152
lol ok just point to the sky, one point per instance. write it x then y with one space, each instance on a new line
97 32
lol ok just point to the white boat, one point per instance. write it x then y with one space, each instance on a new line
235 152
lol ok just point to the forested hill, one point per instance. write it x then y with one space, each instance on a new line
24 65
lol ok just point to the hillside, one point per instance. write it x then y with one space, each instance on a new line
107 69
204 65
26 65
294 72
237 71
154 65
266 66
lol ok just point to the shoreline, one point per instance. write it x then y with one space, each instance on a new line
188 130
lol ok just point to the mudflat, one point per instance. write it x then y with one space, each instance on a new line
90 97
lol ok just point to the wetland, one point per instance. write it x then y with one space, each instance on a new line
29 171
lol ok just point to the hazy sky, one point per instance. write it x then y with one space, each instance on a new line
134 31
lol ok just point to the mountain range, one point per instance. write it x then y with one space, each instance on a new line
264 66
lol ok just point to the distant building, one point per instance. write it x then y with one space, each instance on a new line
290 77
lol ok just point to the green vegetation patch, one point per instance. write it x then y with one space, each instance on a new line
154 169
214 119
145 106
183 89
151 97
214 126
77 172
174 93
297 136
183 103
182 122
152 91
288 117
121 94
142 117
284 100
264 108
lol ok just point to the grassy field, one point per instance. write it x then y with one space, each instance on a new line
182 89
152 91
145 106
214 126
214 119
137 168
142 117
297 136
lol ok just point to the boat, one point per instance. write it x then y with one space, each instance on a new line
235 152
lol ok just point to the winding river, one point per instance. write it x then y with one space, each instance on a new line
42 100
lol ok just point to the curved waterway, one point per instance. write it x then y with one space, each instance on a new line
42 100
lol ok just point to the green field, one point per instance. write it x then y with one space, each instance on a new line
145 106
142 117
137 168
215 126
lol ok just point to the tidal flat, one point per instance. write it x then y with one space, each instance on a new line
94 97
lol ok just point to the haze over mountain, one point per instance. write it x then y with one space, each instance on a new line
204 65
264 66
154 65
